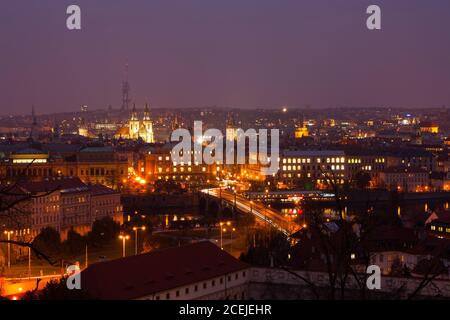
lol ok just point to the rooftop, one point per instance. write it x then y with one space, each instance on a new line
53 184
145 274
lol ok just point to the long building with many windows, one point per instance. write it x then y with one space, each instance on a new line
62 203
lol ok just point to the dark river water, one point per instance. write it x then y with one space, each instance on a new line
408 211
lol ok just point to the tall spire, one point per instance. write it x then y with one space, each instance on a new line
134 113
146 112
230 120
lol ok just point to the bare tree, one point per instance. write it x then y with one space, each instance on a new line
13 212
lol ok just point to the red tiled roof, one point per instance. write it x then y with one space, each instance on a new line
145 274
52 184
99 189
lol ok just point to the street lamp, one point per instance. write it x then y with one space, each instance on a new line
207 197
251 207
221 240
135 229
224 230
231 239
124 238
9 233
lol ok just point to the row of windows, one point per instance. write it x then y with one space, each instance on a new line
295 168
204 285
98 172
318 160
31 172
21 232
45 209
181 177
71 200
45 219
75 209
105 202
290 175
440 229
42 200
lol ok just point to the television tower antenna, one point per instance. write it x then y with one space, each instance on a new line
125 90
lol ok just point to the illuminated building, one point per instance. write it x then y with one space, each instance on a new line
301 132
138 129
231 129
368 161
84 131
313 165
99 165
92 165
429 127
63 203
156 164
438 224
405 179
447 142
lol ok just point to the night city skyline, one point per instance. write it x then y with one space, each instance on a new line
232 158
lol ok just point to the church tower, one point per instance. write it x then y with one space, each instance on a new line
148 125
83 129
133 124
231 130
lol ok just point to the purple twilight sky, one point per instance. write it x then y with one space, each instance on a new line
230 53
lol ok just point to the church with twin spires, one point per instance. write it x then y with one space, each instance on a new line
138 128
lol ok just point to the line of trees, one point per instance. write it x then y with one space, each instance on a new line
48 241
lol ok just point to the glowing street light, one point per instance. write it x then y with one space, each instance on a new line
123 238
9 233
231 238
135 229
